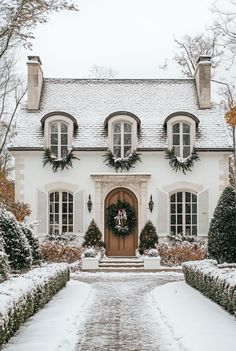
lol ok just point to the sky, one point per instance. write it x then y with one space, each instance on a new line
133 37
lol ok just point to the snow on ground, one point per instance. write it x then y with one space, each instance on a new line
187 317
56 326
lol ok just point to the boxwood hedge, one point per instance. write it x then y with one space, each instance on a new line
216 282
23 296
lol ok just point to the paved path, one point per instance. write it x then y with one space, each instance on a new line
120 317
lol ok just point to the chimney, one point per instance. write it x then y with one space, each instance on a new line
35 82
203 81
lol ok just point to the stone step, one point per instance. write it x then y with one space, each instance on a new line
121 261
121 264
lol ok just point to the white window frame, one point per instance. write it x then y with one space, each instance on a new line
47 129
181 120
123 119
60 213
59 133
184 213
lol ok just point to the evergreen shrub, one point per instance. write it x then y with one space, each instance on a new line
93 236
15 242
148 238
222 232
4 264
33 242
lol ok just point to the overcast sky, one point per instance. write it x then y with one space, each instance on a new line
132 36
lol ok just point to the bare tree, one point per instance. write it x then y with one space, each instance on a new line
19 19
225 25
17 22
102 72
190 48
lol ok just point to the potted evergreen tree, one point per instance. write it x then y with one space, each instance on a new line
92 244
147 246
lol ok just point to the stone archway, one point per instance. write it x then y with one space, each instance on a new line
121 246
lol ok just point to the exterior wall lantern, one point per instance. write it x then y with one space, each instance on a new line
151 204
89 203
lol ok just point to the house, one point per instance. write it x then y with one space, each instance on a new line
134 118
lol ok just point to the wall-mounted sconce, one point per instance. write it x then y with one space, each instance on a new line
89 203
151 204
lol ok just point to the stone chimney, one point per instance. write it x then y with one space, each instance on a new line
203 81
35 82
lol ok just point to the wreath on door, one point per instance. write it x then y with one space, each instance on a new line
121 218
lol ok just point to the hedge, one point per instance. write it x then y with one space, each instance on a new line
23 296
217 282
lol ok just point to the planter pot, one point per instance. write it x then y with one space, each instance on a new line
90 263
152 262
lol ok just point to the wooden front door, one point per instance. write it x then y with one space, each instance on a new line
121 246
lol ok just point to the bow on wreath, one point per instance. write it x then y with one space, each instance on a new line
121 218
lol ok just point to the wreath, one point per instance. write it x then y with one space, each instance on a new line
58 163
181 164
121 218
119 163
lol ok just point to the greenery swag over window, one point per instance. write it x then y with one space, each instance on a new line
121 218
179 163
58 163
121 163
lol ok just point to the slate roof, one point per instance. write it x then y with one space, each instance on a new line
90 101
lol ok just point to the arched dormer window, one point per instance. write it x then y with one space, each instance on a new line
181 132
59 128
122 132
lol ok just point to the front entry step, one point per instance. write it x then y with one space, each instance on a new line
121 264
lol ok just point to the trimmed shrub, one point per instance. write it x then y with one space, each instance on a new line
59 252
93 236
15 243
218 284
23 296
176 254
148 238
4 265
222 232
33 242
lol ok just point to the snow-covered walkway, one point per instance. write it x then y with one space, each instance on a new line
128 312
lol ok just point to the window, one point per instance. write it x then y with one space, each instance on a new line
183 213
181 139
60 213
59 138
122 139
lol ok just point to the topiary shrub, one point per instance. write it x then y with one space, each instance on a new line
222 232
16 245
93 236
148 238
33 242
4 265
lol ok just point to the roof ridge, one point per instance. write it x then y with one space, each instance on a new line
135 80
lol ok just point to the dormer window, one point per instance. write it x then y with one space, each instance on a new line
59 138
181 139
122 139
181 131
59 128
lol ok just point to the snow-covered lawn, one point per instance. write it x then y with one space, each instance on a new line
56 326
191 322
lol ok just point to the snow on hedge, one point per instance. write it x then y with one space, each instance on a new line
218 282
21 297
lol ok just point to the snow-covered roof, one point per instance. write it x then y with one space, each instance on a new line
91 101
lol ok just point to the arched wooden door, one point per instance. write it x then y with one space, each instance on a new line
121 246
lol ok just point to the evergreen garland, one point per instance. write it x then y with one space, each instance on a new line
222 232
58 163
111 218
121 164
181 164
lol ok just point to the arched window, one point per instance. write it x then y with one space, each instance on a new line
59 138
60 213
181 139
122 138
183 213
